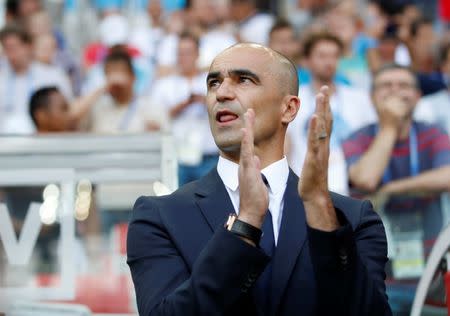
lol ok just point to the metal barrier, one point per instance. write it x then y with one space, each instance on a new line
65 160
100 158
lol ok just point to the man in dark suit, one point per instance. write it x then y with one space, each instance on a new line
319 254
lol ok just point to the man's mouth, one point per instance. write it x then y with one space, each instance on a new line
225 116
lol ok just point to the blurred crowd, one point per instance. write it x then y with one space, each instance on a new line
117 66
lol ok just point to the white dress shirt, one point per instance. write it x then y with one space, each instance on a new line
276 174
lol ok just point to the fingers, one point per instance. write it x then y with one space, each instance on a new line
323 109
247 145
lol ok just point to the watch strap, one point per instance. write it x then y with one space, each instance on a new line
244 229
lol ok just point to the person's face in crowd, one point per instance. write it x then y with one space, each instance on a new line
386 49
119 78
39 23
311 4
424 41
284 41
17 52
344 27
187 56
28 7
176 22
55 117
445 67
396 83
243 77
323 60
375 20
204 12
240 9
45 48
155 10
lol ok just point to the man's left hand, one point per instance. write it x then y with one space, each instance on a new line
313 183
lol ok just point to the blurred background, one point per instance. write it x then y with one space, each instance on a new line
104 100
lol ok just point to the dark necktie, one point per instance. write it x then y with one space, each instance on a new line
267 243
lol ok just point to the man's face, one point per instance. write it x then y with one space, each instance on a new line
56 117
398 83
323 60
28 7
283 41
241 78
187 55
16 51
119 77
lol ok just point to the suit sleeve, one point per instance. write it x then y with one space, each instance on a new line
224 271
349 266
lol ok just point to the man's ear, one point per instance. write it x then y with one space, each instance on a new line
291 105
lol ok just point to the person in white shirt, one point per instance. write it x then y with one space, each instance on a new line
435 108
20 77
120 110
351 108
253 26
182 95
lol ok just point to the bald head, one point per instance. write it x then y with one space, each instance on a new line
281 66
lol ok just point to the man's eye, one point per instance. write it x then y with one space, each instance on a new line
213 83
244 79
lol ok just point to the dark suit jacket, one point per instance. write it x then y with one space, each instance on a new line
184 262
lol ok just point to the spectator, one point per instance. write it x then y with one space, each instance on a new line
283 39
121 110
343 22
51 113
435 108
110 41
378 147
18 11
423 45
351 108
396 156
183 97
254 26
387 20
50 42
20 77
213 38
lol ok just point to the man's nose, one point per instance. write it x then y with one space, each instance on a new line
225 91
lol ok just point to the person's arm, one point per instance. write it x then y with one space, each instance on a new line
435 180
180 107
81 106
222 274
367 172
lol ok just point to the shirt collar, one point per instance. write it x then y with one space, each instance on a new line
276 173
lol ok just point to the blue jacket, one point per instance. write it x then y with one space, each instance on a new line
184 262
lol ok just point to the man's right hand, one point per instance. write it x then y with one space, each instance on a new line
393 112
253 194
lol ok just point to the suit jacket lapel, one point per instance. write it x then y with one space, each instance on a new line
214 201
291 240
